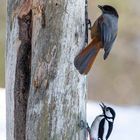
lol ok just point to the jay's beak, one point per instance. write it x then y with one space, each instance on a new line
101 7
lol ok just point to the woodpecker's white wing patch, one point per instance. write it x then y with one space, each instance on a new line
106 128
95 127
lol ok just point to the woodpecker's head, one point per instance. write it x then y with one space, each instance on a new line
108 112
108 10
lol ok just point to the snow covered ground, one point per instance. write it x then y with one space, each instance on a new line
2 115
127 122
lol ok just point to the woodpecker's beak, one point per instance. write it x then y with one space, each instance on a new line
101 7
103 106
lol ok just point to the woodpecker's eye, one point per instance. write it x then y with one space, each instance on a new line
107 109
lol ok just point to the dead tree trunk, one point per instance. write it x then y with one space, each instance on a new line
46 96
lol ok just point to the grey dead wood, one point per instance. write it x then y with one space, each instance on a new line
45 95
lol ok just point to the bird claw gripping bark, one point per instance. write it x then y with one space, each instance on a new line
84 125
89 24
88 128
81 124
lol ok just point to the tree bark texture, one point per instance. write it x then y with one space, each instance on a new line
46 96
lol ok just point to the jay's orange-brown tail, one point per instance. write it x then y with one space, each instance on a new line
85 59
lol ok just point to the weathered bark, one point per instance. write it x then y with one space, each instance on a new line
46 96
18 66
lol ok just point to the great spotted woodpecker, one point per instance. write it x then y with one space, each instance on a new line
102 126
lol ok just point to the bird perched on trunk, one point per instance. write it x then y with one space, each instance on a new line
103 34
102 126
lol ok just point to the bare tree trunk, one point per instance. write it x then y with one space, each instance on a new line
46 96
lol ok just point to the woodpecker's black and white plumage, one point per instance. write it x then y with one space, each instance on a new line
102 126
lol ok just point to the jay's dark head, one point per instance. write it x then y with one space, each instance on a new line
109 10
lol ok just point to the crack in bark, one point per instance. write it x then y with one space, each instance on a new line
25 8
23 70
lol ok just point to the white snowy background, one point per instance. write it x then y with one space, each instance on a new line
126 127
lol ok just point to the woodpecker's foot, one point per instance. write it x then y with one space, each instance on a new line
88 128
82 124
89 24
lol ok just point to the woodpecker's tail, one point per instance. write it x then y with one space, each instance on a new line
85 59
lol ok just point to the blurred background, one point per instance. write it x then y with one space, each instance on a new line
2 41
117 80
114 81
